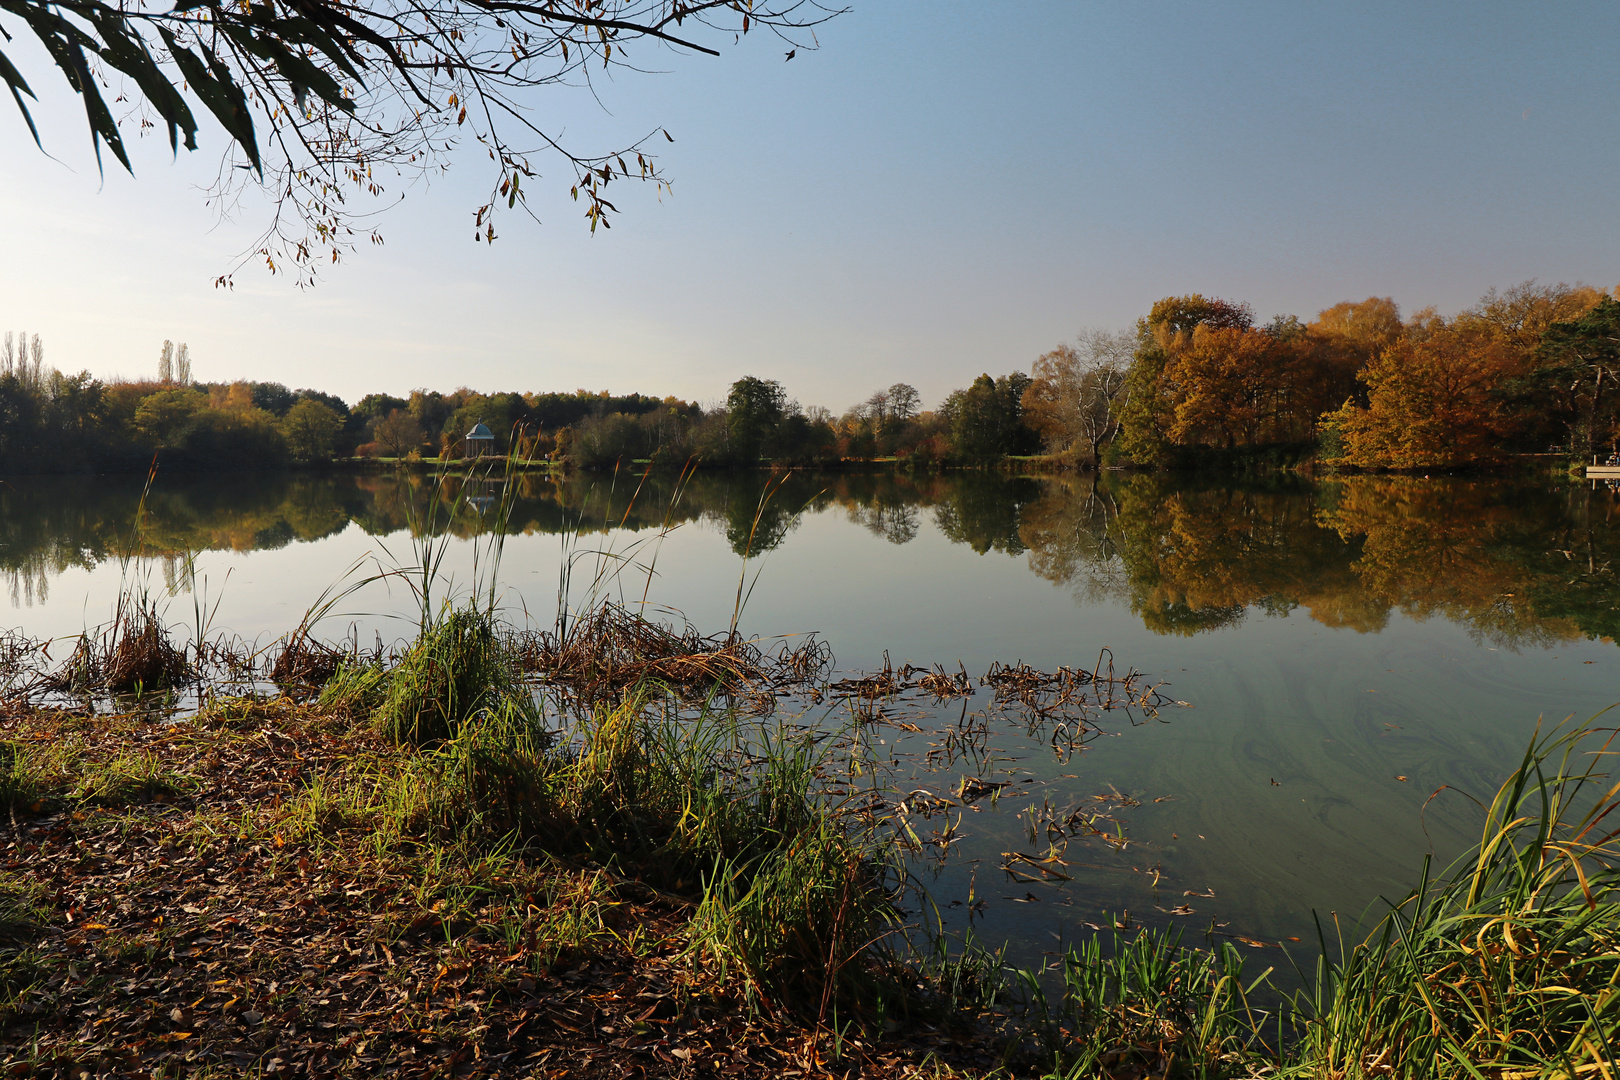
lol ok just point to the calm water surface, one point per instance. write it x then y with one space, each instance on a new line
1346 648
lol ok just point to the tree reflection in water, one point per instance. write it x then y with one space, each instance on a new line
1517 563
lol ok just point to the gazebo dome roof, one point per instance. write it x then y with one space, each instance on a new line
481 432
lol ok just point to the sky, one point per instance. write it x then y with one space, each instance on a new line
940 189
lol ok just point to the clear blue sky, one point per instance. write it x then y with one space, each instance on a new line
942 189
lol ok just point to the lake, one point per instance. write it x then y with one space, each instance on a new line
1344 648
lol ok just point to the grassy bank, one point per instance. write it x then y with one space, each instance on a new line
405 865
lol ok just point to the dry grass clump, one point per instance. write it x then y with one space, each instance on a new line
609 650
142 657
20 659
133 655
304 665
944 685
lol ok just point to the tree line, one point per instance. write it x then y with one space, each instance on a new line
1531 369
1528 370
51 422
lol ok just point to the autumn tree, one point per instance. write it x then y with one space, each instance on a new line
1149 409
1078 391
1433 399
398 433
1052 401
1344 339
1524 312
1203 374
236 397
1226 386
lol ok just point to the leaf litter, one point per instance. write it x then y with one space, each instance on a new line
191 930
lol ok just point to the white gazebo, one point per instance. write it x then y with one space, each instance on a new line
480 441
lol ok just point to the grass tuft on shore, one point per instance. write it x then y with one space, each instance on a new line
726 814
457 670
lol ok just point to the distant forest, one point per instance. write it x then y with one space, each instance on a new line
1196 382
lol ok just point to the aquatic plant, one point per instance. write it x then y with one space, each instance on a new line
1147 1005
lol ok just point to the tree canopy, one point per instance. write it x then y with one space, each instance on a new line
321 101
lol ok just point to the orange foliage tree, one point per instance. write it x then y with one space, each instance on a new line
1231 386
1150 391
1344 339
1433 398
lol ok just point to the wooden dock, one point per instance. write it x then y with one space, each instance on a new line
1603 472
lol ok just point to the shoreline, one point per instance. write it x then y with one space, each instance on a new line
494 466
363 876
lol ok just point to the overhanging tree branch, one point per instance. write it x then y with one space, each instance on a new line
316 97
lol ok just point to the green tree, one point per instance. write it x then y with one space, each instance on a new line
232 439
272 397
754 412
1578 363
978 425
374 407
311 430
162 416
987 419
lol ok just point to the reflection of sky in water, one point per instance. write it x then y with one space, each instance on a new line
1280 785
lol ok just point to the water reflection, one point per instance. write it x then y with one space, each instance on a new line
1517 564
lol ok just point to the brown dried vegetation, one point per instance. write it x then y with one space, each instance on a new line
610 649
